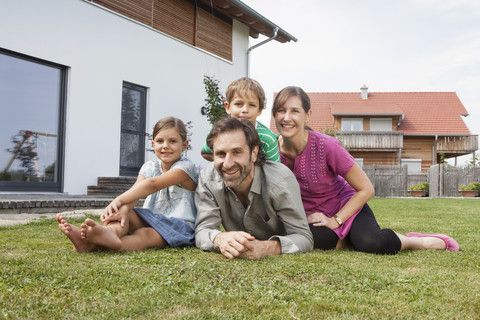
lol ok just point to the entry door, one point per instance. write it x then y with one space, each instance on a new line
132 137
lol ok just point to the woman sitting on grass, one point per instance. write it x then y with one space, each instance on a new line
334 189
168 215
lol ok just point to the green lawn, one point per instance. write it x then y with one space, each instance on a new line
41 278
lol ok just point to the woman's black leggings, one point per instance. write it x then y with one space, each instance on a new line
365 235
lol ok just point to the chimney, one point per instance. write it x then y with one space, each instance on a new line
364 92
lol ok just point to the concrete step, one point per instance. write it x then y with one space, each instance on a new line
111 186
54 203
106 190
115 181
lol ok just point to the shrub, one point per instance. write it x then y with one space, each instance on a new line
422 186
471 186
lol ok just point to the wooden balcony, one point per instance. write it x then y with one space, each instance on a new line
371 140
457 145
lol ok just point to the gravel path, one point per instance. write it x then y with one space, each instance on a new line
23 218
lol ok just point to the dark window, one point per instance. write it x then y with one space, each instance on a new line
132 137
32 108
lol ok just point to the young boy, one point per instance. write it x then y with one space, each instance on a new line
246 100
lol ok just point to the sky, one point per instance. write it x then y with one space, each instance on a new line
391 46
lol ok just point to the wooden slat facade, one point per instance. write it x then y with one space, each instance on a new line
176 18
457 144
181 19
368 140
376 157
214 34
139 10
418 147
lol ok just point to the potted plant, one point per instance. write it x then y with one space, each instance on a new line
472 190
420 190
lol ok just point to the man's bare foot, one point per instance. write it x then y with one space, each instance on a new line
100 235
74 234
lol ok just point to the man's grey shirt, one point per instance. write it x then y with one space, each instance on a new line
275 211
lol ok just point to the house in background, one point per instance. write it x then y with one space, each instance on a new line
81 82
391 128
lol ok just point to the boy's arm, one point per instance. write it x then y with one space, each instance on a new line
207 156
206 152
269 145
269 142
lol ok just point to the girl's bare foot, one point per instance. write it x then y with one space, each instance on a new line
74 234
97 234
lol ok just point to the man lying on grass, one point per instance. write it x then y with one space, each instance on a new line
256 201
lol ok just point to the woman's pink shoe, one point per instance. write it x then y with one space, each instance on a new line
450 243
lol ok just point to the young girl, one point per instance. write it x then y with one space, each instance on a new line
168 214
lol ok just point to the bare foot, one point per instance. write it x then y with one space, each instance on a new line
100 235
74 234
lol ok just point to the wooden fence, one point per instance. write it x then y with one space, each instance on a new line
444 180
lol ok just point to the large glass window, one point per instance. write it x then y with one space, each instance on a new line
31 122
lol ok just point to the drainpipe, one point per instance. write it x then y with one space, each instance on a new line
440 180
433 149
275 31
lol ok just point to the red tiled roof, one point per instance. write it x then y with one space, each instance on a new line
426 113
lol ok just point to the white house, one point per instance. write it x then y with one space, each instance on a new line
81 82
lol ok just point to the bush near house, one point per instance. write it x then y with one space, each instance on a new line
471 186
422 186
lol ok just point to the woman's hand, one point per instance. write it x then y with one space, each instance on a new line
319 219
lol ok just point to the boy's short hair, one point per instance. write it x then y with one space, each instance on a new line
244 84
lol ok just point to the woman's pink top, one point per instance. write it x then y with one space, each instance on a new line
320 170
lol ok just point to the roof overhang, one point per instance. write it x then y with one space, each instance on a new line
369 114
439 135
256 23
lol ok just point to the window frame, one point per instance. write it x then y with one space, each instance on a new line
352 120
20 186
129 170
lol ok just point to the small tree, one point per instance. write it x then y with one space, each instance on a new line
215 102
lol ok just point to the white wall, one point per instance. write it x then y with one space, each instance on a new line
102 50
